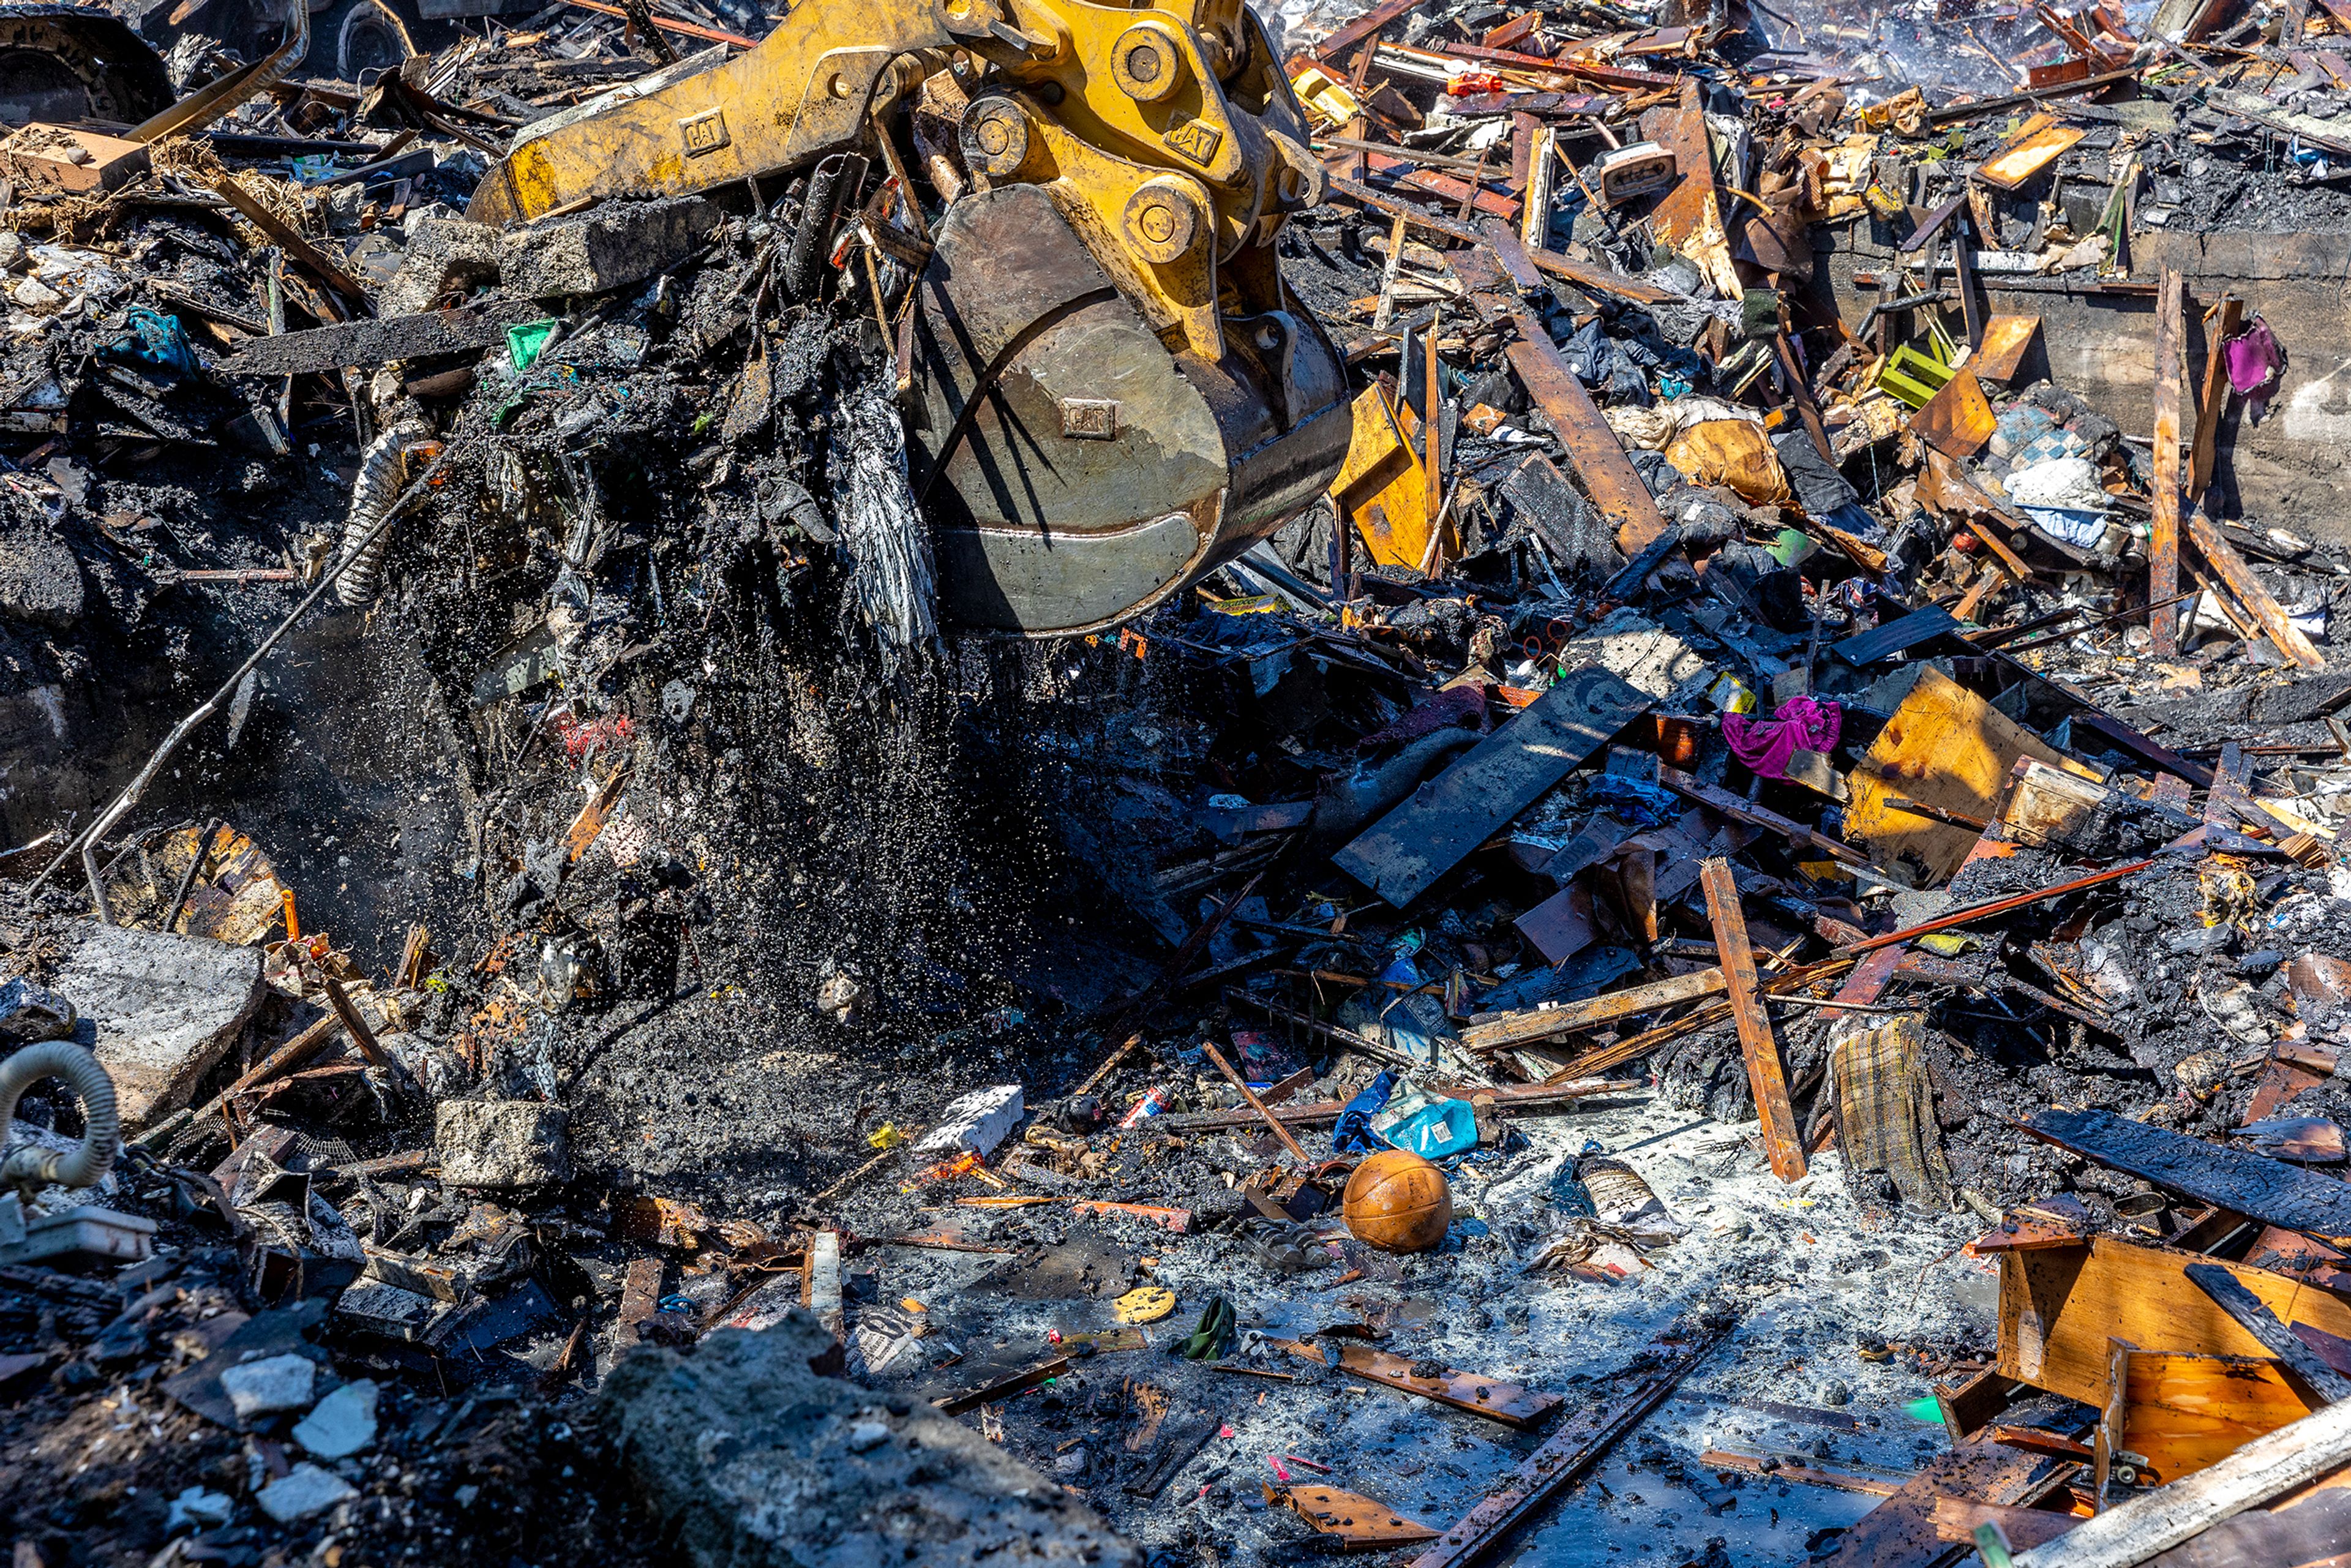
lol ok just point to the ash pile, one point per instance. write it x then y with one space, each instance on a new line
1728 950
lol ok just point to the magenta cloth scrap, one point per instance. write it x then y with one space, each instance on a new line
1765 744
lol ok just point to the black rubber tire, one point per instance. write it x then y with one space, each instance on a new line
354 35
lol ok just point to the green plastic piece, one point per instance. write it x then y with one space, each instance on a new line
525 341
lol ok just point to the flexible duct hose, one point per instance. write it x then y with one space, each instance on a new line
30 1170
383 474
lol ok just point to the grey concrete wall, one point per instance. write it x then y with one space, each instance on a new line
2285 471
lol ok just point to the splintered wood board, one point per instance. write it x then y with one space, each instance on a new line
2038 144
1957 421
2007 339
1902 1532
1944 747
1357 1521
2060 1305
1489 1396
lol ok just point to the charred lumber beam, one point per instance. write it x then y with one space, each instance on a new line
380 340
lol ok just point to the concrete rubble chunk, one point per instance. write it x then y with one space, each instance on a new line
978 1121
159 1010
40 580
447 258
270 1387
611 246
306 1491
759 1461
342 1424
502 1142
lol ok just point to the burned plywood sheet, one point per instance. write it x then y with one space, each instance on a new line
1901 1531
1078 1268
2060 1306
2178 1414
1944 747
2259 1188
1431 832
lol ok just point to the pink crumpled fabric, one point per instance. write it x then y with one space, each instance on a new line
1765 745
2254 362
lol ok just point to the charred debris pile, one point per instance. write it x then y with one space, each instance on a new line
1734 949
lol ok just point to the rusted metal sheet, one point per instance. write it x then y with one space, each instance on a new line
1583 1438
1431 832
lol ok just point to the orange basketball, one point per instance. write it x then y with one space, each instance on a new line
1398 1202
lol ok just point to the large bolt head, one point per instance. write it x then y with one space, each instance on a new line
995 137
1163 220
1147 62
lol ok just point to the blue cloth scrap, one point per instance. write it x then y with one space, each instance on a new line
1641 805
1354 1134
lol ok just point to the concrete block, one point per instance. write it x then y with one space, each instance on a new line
446 257
502 1142
615 245
977 1122
756 1461
342 1425
269 1386
159 1010
307 1491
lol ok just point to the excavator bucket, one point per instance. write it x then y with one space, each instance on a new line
1115 392
62 64
1076 470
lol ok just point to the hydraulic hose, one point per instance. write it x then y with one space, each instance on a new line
30 1170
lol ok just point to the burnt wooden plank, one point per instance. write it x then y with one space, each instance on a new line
2163 540
2254 1315
1609 478
2310 1531
1895 636
2268 1190
1783 1140
1900 1531
1430 834
1581 1440
380 340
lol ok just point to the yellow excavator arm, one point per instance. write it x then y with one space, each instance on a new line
1115 392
